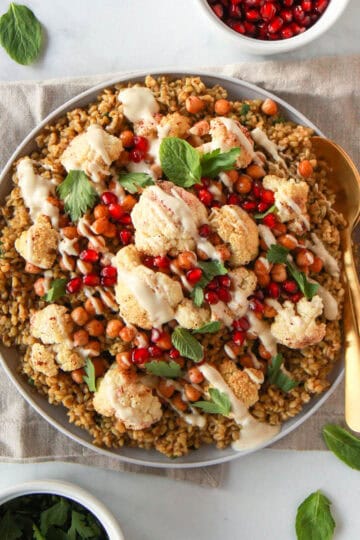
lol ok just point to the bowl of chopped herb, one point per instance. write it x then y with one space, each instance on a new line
52 509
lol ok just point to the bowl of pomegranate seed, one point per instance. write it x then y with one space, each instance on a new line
271 27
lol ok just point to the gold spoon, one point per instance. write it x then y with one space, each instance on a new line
344 180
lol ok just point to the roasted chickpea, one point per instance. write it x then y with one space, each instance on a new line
224 252
39 287
101 211
93 348
269 312
80 338
243 184
305 169
141 340
264 353
95 328
233 175
194 104
179 403
279 229
246 361
222 107
100 366
269 107
263 280
79 316
94 306
317 265
166 388
186 260
304 258
128 203
123 359
110 231
127 333
32 269
256 172
70 232
78 375
195 375
127 138
288 241
192 393
113 328
164 341
278 273
100 225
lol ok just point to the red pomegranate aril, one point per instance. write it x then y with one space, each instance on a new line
194 275
108 198
205 197
267 196
211 297
125 237
257 190
204 231
262 30
237 26
174 353
249 206
268 11
74 285
218 10
155 351
273 290
288 3
212 285
136 156
259 294
256 305
205 182
296 297
149 261
108 281
250 28
224 281
89 255
306 21
262 206
162 262
125 219
235 11
141 143
275 25
109 271
252 15
320 5
116 211
155 335
286 32
286 15
216 204
233 199
241 324
270 220
298 13
224 294
306 5
295 28
239 337
140 356
290 286
91 280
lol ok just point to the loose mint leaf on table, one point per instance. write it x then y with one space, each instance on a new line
160 368
215 162
180 162
343 444
314 520
56 291
55 515
90 378
132 181
77 193
21 34
219 403
187 345
9 529
277 377
208 328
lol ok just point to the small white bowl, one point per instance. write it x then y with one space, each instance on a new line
258 46
70 491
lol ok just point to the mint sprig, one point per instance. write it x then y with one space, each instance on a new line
219 403
160 368
180 162
277 377
209 328
187 345
133 181
210 270
314 520
216 161
57 290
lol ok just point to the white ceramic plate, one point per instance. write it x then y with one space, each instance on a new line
206 455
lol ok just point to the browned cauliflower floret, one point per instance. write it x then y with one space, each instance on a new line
68 358
121 393
299 329
174 125
52 324
191 317
166 220
42 359
39 243
245 384
290 201
92 152
146 298
239 230
140 107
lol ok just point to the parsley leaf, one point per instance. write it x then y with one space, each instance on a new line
313 519
9 529
208 328
215 162
268 211
187 345
56 291
277 377
79 526
180 162
219 404
244 109
37 533
277 254
160 368
343 444
55 515
132 181
197 294
90 378
78 194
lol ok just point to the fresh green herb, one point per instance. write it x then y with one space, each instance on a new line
55 515
210 270
133 181
9 529
219 403
90 378
278 120
160 368
31 381
78 194
313 519
343 444
21 34
245 108
80 526
215 162
268 211
180 162
197 294
56 291
277 254
187 345
37 533
277 377
208 328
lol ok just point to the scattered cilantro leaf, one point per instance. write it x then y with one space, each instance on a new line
277 377
277 254
9 529
306 287
78 194
197 294
208 328
268 211
215 162
313 519
187 345
56 291
80 526
219 403
343 444
37 533
160 368
245 108
21 34
55 515
180 162
90 378
132 181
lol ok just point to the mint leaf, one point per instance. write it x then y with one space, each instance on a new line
78 194
277 254
187 345
343 444
90 378
197 294
245 108
208 328
9 529
37 533
180 162
277 377
268 211
220 403
215 162
55 515
132 181
79 526
21 34
56 291
314 520
210 270
306 287
160 368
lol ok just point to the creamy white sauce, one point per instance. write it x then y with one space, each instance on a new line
330 263
261 329
265 263
266 234
239 303
215 190
96 141
331 308
108 298
296 208
262 140
225 179
257 364
232 126
230 353
139 103
141 167
221 312
253 377
273 303
98 242
67 249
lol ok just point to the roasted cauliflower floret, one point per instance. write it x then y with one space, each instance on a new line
299 329
191 317
290 201
42 359
121 393
92 152
174 125
68 358
166 220
245 384
52 324
39 243
239 230
146 298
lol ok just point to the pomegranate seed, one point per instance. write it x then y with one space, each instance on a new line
205 196
274 290
224 295
320 5
298 13
267 196
288 3
275 24
216 204
235 11
296 297
109 271
249 206
136 156
270 221
218 10
211 297
125 219
140 356
295 28
141 144
162 262
252 15
125 237
204 231
224 281
89 255
306 21
262 30
262 206
286 15
205 182
257 190
194 275
239 337
213 285
290 286
286 32
259 294
155 335
268 11
108 281
155 351
256 305
238 27
250 28
74 285
174 353
241 324
91 280
306 5
108 198
233 199
116 211
149 261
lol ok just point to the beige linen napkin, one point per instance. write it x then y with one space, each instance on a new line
326 90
